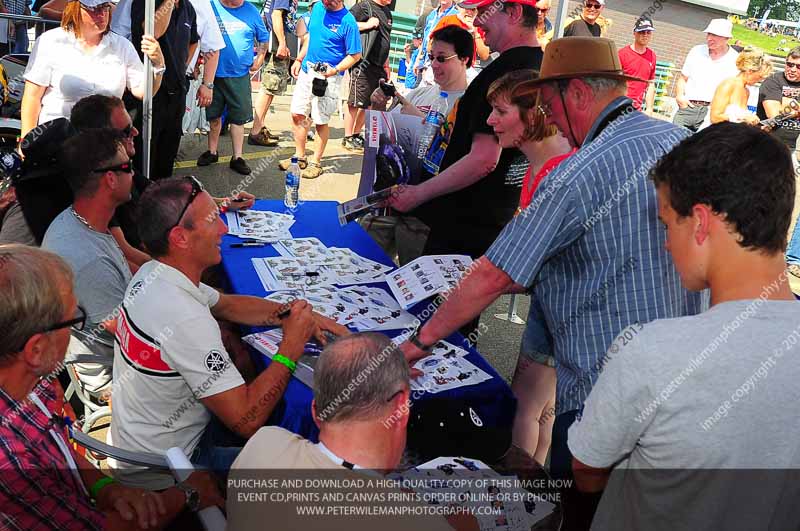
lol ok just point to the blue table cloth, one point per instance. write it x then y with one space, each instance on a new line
492 399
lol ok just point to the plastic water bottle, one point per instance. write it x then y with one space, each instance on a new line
292 184
433 122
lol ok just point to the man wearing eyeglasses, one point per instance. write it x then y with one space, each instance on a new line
778 95
588 24
100 174
180 386
46 485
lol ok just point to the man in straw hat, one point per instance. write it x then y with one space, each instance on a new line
590 243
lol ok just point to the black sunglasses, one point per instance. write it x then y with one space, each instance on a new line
197 189
125 167
77 322
441 58
128 131
592 6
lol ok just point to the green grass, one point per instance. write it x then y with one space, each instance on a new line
768 44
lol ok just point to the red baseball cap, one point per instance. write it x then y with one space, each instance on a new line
475 4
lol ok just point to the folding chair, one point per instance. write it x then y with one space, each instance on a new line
211 518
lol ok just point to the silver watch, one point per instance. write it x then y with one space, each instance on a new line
158 71
209 86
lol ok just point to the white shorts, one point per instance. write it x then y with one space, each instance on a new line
304 102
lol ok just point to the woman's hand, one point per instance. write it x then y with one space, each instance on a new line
152 49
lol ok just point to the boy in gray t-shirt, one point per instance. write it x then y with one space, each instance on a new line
692 423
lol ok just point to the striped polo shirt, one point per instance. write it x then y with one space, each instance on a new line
592 249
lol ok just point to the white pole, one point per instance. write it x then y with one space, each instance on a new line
561 17
147 102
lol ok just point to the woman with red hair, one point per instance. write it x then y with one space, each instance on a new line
82 58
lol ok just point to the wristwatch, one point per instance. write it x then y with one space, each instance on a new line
159 70
209 86
192 497
414 340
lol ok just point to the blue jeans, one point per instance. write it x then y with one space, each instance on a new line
21 42
793 251
218 449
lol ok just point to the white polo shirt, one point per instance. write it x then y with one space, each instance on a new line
58 63
211 38
705 74
168 354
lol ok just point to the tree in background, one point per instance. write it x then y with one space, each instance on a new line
780 9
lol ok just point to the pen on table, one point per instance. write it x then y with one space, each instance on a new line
247 244
238 200
283 314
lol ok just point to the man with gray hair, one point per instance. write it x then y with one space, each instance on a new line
361 399
590 244
46 484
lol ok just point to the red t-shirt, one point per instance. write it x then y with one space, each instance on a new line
528 187
641 66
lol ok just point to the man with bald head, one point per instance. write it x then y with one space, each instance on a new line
361 405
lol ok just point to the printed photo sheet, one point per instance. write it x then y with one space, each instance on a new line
259 225
426 276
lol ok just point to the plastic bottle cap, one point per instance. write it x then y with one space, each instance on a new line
294 160
443 94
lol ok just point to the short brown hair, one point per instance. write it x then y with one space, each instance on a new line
516 88
71 19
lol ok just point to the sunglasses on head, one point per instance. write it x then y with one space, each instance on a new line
197 189
441 58
125 167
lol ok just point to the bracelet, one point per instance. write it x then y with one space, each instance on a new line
283 360
99 485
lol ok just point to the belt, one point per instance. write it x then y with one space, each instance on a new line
700 103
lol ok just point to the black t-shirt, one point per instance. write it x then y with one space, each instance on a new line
379 52
181 32
775 88
580 28
482 209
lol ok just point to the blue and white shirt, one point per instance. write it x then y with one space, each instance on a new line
591 247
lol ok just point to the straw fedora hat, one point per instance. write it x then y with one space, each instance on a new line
575 57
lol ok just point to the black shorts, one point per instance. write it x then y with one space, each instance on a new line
364 78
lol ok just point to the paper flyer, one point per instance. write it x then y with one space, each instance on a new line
426 276
350 210
259 225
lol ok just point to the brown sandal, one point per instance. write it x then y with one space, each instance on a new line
285 163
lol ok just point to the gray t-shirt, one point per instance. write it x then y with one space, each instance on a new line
101 276
683 406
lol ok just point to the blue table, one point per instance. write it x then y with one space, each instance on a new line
492 399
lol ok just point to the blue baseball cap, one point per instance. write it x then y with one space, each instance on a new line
94 4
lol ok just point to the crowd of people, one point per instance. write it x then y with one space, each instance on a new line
657 256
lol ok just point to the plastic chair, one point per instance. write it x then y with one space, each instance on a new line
94 410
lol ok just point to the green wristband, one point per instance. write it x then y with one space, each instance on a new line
283 360
99 485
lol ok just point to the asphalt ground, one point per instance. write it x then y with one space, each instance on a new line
499 344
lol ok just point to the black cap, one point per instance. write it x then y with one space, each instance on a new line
451 427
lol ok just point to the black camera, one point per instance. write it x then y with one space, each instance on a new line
319 86
388 88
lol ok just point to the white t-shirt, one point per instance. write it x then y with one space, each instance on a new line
168 354
424 97
683 407
208 29
704 74
69 73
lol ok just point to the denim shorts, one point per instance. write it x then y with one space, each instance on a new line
537 343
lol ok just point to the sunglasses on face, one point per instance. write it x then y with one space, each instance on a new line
125 167
197 189
96 10
789 64
78 322
441 58
128 131
592 6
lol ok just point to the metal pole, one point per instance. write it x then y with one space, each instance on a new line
561 17
512 315
147 102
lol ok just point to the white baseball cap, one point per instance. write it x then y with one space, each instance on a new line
721 27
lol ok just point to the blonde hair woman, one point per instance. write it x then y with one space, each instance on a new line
518 121
730 99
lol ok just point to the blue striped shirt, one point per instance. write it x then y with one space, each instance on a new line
591 247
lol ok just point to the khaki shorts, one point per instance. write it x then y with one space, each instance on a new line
275 75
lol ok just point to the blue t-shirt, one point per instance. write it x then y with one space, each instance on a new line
241 28
411 77
333 36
